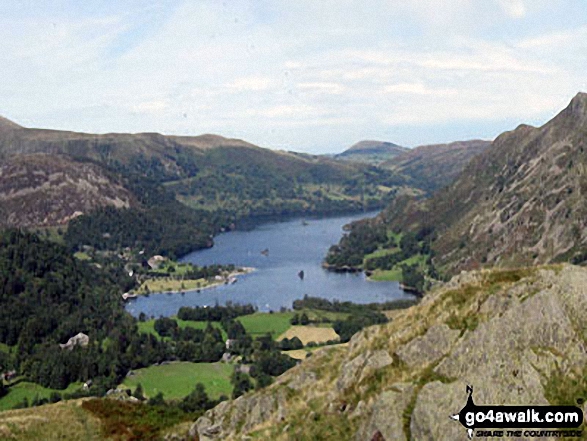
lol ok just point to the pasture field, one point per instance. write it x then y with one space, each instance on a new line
148 327
177 379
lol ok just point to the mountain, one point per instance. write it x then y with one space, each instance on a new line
437 165
515 336
49 177
6 125
520 202
44 190
372 152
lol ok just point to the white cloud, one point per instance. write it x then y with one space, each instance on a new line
323 88
264 71
417 89
251 84
150 106
513 8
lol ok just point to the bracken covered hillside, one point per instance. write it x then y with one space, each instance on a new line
516 336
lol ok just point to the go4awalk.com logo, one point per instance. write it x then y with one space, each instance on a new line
518 421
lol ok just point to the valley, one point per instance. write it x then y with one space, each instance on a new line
318 326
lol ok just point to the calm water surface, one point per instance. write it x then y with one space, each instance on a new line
293 245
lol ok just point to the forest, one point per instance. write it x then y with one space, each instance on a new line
47 296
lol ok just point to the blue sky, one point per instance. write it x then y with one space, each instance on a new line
303 75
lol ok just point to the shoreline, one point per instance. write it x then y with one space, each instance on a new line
226 279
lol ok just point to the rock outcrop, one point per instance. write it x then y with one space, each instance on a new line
517 336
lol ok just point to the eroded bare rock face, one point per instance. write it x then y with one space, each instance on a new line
430 348
48 190
509 334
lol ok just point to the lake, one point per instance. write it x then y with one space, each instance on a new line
294 245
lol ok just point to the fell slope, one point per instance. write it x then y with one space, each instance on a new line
206 172
516 336
47 190
437 165
520 202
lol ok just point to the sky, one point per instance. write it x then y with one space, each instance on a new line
303 75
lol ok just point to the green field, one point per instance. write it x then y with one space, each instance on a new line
257 324
148 327
277 323
262 323
179 269
27 390
395 274
178 379
166 284
380 253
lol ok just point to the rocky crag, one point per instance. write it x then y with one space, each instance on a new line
516 336
520 202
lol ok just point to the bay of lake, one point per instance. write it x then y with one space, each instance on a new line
293 246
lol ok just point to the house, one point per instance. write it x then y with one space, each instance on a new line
80 339
128 295
156 261
230 343
7 376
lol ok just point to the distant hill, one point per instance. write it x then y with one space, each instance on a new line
372 152
428 167
209 172
436 165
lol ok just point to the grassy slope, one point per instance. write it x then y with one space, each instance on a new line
61 421
395 274
176 380
28 390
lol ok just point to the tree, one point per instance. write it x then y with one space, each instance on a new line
157 400
3 389
304 320
263 380
166 327
242 384
295 320
196 400
138 393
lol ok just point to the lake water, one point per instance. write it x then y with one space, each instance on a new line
294 245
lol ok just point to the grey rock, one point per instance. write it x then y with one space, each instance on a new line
429 348
302 379
387 414
361 366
